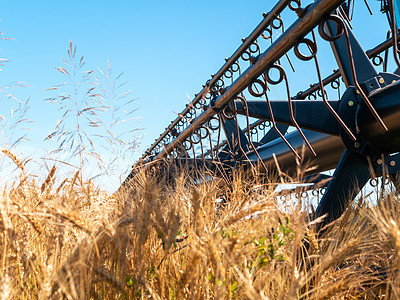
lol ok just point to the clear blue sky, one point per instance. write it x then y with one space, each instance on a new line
166 49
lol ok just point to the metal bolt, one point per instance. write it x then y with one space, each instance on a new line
243 39
358 92
381 80
393 81
379 161
392 163
357 145
350 103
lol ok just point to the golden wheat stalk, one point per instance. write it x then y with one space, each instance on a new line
49 180
14 158
74 218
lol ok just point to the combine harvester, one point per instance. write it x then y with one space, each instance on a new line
252 113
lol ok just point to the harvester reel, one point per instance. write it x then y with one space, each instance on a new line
238 119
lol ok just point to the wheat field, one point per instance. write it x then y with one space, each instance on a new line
153 239
63 236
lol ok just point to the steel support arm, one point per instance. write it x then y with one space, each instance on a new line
311 115
352 60
328 147
234 135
